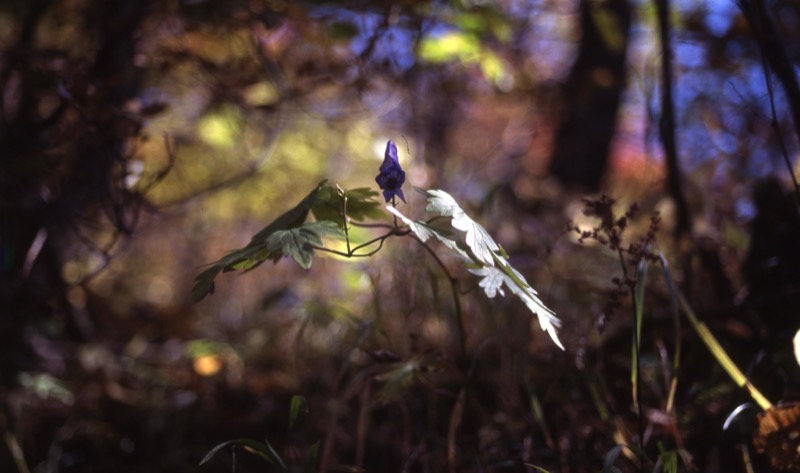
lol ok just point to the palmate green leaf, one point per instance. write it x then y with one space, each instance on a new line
298 243
296 216
420 229
547 318
204 283
252 258
492 281
477 239
484 257
245 258
361 204
288 235
494 277
425 231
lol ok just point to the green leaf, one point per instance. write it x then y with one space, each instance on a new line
252 258
286 236
264 450
486 258
204 283
311 458
246 258
638 296
361 203
667 460
294 217
298 243
477 239
297 405
517 284
424 231
492 282
420 229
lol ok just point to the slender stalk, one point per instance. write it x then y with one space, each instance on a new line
775 55
370 225
351 252
345 220
454 287
722 356
676 359
396 230
637 388
394 204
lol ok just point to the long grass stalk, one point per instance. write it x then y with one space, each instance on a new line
676 316
711 342
638 312
722 356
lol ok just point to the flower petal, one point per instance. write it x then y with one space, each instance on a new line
392 176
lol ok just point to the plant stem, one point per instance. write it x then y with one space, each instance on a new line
722 356
351 253
344 219
637 388
454 287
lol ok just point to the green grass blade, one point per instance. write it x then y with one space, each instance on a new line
638 299
297 406
721 355
676 357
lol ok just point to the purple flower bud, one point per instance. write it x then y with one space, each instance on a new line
392 176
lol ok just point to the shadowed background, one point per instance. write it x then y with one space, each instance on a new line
140 140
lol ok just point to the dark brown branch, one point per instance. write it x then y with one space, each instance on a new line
776 58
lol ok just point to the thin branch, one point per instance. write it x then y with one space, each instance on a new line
454 287
371 225
777 129
773 51
346 221
775 58
351 253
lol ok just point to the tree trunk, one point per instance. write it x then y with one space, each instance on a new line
591 96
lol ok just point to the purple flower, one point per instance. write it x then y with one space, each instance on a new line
392 176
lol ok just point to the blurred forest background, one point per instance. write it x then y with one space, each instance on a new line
140 140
